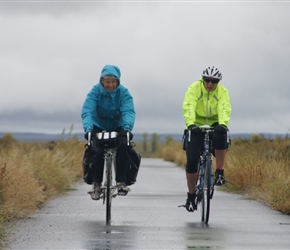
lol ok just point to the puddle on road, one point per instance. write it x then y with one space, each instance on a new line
112 232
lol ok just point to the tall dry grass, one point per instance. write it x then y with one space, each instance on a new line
260 168
172 151
257 167
32 173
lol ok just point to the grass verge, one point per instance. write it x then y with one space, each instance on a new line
32 173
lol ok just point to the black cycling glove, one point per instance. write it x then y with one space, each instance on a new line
194 129
123 133
221 129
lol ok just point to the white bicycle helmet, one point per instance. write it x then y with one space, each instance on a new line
212 72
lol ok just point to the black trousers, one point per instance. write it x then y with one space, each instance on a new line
195 146
122 160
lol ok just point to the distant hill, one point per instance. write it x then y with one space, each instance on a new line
39 137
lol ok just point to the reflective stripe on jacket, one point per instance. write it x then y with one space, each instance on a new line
201 107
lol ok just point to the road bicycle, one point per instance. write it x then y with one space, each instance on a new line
109 141
205 177
205 183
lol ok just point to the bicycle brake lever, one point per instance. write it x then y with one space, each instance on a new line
89 138
128 138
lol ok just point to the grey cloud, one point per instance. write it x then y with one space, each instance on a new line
56 9
52 56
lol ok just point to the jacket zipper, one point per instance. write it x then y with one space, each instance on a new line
206 121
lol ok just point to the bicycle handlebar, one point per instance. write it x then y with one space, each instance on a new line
204 128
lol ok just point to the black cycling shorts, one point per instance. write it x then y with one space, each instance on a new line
195 146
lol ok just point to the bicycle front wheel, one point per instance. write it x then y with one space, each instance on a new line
206 191
108 189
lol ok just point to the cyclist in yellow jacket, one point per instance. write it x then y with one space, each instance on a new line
207 102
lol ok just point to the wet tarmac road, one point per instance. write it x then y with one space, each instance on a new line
149 218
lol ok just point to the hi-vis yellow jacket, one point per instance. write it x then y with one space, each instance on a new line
201 107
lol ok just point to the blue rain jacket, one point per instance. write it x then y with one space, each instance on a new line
108 110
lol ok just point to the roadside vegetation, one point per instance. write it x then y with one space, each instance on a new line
31 173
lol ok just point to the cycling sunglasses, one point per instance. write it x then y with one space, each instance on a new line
213 81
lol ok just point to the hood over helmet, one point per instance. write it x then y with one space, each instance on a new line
111 70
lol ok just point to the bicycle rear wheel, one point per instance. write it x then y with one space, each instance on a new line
206 191
108 189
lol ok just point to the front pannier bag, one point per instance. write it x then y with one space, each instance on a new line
87 164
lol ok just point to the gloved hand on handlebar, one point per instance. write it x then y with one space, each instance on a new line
194 129
123 133
86 135
221 129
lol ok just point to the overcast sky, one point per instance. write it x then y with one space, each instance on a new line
52 53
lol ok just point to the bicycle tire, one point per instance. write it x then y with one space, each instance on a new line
202 208
108 189
202 190
207 189
199 188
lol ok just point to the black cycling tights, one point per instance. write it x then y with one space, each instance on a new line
194 147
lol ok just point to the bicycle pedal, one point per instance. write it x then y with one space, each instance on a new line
122 193
229 182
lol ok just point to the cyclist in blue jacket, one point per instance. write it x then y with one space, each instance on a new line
109 107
